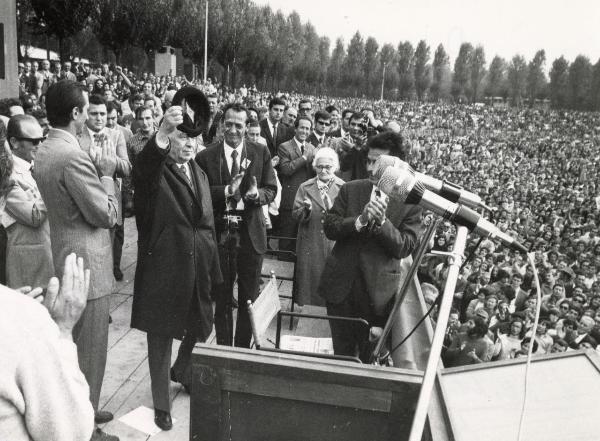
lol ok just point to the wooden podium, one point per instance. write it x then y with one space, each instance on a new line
246 395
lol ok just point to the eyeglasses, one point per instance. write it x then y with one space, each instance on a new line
325 123
34 141
323 167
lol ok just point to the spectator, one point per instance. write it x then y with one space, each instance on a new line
313 200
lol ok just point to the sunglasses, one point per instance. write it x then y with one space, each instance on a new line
34 141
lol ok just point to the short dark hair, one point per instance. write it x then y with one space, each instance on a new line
304 101
236 107
61 98
113 105
389 141
330 108
137 97
347 111
322 114
305 118
140 110
6 104
39 114
253 124
357 115
276 102
98 100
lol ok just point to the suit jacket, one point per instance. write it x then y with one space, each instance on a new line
212 161
293 171
312 138
284 134
177 250
375 255
81 208
28 253
123 169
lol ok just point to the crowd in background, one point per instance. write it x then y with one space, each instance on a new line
536 168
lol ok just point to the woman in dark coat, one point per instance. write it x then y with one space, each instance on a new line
313 200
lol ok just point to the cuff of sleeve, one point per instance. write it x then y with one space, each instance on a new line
358 224
109 184
161 145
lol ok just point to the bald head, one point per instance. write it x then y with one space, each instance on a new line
24 135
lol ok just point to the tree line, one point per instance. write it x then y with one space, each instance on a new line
252 44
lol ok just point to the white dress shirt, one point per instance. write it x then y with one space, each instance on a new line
228 150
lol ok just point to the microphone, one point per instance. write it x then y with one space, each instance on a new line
404 186
447 190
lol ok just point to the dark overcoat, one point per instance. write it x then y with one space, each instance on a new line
177 252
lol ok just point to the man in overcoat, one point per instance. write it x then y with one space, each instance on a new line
177 252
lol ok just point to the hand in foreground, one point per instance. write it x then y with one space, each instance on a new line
106 161
67 303
275 161
36 294
235 183
377 209
307 204
252 192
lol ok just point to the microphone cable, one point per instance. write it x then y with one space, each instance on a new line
538 307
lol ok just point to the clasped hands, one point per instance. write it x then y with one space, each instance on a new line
251 193
374 211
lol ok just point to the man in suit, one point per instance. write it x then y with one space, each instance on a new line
295 168
80 199
342 131
322 125
210 130
90 139
241 180
372 235
272 129
177 251
29 257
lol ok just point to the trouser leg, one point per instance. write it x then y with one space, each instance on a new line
249 269
119 237
159 360
91 337
223 296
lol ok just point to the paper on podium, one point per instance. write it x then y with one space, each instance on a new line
307 344
142 419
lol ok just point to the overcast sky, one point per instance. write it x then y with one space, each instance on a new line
503 27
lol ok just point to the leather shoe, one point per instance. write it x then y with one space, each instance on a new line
102 416
99 435
163 419
176 380
118 274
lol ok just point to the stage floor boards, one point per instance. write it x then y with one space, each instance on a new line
127 379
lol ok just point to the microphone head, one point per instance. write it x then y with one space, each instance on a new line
397 183
385 161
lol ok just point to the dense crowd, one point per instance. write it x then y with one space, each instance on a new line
535 168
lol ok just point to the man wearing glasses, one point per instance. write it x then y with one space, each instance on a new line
29 256
305 108
322 126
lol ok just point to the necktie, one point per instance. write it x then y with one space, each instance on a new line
275 134
302 148
235 168
184 170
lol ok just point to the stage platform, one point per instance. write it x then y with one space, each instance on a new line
127 379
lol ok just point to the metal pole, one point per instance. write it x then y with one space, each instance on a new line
405 284
205 41
383 80
418 423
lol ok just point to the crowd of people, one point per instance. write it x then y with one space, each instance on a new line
209 172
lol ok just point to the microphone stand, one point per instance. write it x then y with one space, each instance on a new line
401 293
456 258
